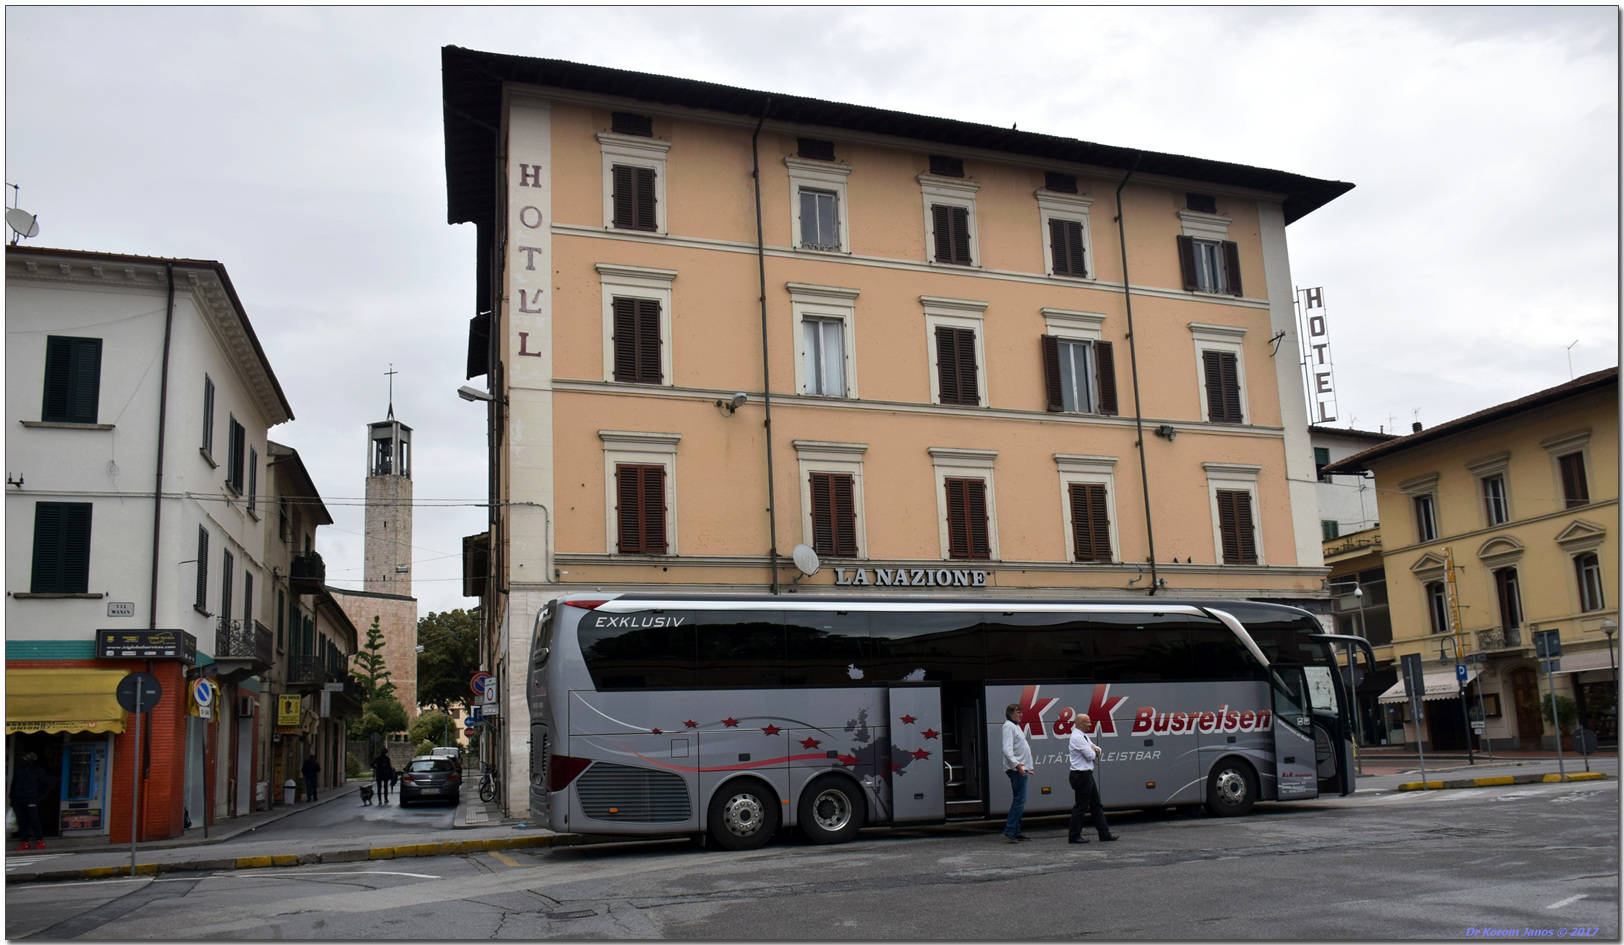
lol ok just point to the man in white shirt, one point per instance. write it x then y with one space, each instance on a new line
1085 792
1018 765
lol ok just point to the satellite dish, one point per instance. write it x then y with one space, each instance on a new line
23 223
806 559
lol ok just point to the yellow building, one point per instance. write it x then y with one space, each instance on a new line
1496 526
717 324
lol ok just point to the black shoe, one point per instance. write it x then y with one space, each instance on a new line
1108 839
1079 840
1010 839
1022 836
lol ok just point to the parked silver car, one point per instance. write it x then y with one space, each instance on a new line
430 778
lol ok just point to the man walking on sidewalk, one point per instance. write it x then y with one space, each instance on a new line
311 768
1085 792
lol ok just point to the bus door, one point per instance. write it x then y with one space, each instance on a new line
1295 763
1333 699
915 723
964 748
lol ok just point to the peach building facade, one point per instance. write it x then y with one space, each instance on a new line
928 349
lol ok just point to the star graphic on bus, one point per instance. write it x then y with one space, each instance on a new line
895 768
849 761
908 720
770 729
921 754
655 731
805 743
928 733
688 724
731 722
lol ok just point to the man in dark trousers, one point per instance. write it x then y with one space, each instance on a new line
1085 792
29 785
311 768
383 773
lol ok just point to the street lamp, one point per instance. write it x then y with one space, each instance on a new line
1608 628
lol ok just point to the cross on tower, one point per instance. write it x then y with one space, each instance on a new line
391 375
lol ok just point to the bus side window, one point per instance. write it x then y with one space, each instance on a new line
740 648
927 647
1218 654
1027 646
1123 650
827 649
652 650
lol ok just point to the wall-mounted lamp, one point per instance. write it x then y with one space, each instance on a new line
472 394
1166 430
733 403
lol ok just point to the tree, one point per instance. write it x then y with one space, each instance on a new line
372 674
1566 710
383 715
450 642
432 726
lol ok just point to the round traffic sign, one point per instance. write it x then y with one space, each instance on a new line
203 692
477 682
144 684
468 732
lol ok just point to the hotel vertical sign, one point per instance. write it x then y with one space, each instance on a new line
1316 342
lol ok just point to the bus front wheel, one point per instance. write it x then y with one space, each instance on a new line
1231 788
743 815
831 810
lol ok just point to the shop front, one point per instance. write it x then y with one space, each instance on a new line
68 718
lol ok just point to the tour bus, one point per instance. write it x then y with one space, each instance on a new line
738 717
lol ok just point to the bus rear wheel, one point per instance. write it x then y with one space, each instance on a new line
1231 788
831 810
743 815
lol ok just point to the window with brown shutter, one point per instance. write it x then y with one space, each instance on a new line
952 229
1505 586
1235 526
637 341
1066 247
1060 183
1090 522
1575 489
834 516
967 519
1223 386
943 166
630 123
1105 368
640 504
1210 265
956 366
634 198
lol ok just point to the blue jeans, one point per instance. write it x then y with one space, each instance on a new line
1017 804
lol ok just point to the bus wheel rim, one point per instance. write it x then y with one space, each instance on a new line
743 815
831 809
1231 786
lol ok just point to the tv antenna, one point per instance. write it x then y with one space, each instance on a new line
1570 359
23 224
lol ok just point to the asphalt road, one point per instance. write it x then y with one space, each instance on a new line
1378 866
349 816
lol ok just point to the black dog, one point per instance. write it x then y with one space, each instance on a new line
366 794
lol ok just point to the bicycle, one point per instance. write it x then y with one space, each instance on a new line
487 783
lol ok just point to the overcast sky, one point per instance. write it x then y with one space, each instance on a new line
303 149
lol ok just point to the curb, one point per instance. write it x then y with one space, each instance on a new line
1499 781
446 848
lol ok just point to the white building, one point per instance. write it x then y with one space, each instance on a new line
1347 503
137 404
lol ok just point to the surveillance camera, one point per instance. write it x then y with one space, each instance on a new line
739 400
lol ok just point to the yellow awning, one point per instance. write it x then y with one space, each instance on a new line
63 700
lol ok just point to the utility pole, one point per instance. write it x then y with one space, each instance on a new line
1455 632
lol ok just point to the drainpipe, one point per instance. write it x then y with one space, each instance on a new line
766 368
163 410
1133 358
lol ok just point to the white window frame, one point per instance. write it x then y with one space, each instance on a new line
633 151
640 449
821 456
1484 470
834 304
951 192
1234 477
1228 339
636 282
1092 470
956 313
1057 206
958 463
1579 582
1069 325
1415 488
824 177
1560 446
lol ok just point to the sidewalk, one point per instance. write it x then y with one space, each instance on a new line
478 827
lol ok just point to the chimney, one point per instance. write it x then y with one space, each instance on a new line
1415 427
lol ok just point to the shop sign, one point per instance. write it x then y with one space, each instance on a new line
146 645
287 709
81 819
911 577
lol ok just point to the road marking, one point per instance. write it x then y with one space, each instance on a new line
510 861
1555 905
280 873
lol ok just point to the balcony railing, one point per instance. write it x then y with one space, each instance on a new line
1499 638
243 640
306 671
307 573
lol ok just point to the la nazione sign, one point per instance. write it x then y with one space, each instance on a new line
911 577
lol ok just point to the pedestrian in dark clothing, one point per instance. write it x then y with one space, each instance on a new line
383 772
311 768
29 785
